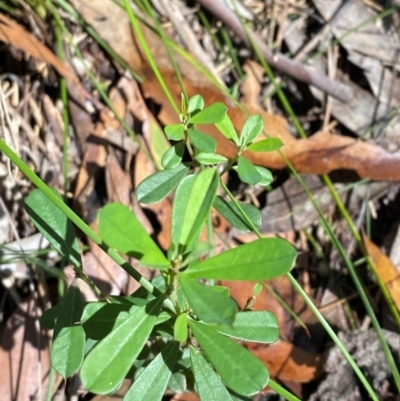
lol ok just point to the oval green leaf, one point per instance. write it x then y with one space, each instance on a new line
101 318
202 141
54 225
239 369
225 126
174 132
159 185
152 382
266 175
248 173
173 156
122 230
257 326
251 129
266 145
177 382
180 328
208 384
261 259
192 204
210 158
49 317
109 361
233 215
210 115
210 304
68 345
195 103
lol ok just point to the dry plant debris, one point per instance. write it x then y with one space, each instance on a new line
342 77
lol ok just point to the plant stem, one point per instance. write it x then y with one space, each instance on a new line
282 391
76 219
314 309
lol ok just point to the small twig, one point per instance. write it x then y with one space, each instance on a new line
292 68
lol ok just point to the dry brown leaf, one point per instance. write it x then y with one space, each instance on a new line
185 397
17 36
287 362
386 270
319 154
24 356
251 86
95 154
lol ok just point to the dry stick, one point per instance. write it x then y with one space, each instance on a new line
292 68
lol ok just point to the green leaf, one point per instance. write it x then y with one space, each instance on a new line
122 230
192 204
251 129
195 103
180 328
257 326
248 172
211 304
233 215
173 156
159 185
68 345
158 143
177 382
110 360
201 249
100 318
266 145
201 141
225 126
239 369
152 382
261 259
210 158
49 318
210 115
174 132
54 225
208 384
266 175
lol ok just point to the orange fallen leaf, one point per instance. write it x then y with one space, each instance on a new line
386 270
319 154
287 362
17 36
252 84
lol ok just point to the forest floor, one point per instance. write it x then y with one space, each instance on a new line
82 107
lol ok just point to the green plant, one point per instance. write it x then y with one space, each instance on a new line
176 331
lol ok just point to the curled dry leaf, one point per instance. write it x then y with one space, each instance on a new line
252 84
16 35
386 270
319 154
287 362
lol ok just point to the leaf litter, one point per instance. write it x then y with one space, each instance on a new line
104 163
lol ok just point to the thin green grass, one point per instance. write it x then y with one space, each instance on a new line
289 110
65 114
335 241
287 107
